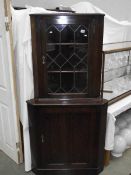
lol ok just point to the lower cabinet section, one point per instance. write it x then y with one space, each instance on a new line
67 136
68 171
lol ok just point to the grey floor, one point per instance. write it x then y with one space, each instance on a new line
118 166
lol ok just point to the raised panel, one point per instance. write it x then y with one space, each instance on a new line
80 144
7 126
53 137
1 128
2 70
79 138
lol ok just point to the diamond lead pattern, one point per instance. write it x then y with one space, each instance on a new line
67 58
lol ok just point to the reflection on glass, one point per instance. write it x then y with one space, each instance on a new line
53 35
60 27
81 51
81 67
81 35
52 50
67 35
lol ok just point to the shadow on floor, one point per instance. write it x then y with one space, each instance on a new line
118 166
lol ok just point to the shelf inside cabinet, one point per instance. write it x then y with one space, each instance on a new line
68 71
50 44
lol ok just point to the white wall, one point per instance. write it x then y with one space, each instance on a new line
120 9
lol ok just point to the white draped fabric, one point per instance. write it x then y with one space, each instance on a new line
24 73
114 31
113 111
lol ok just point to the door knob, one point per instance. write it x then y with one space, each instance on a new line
42 138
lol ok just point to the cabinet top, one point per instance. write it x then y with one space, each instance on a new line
66 102
68 14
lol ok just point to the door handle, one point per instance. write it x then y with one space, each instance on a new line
43 59
42 138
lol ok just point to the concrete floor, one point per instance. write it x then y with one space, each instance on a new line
118 166
9 167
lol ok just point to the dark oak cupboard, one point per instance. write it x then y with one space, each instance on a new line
67 55
67 136
67 117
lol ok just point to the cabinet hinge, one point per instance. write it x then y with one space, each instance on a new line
7 24
18 151
18 145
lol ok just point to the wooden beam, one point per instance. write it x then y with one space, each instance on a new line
107 158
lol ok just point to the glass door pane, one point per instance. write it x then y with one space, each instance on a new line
67 58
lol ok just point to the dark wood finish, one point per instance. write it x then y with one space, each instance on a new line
120 97
57 9
67 129
94 23
67 135
107 157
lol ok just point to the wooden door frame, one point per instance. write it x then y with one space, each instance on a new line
8 25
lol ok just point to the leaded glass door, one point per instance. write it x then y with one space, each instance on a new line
67 58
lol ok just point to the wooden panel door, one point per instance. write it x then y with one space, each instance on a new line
85 132
80 138
48 133
9 126
53 133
